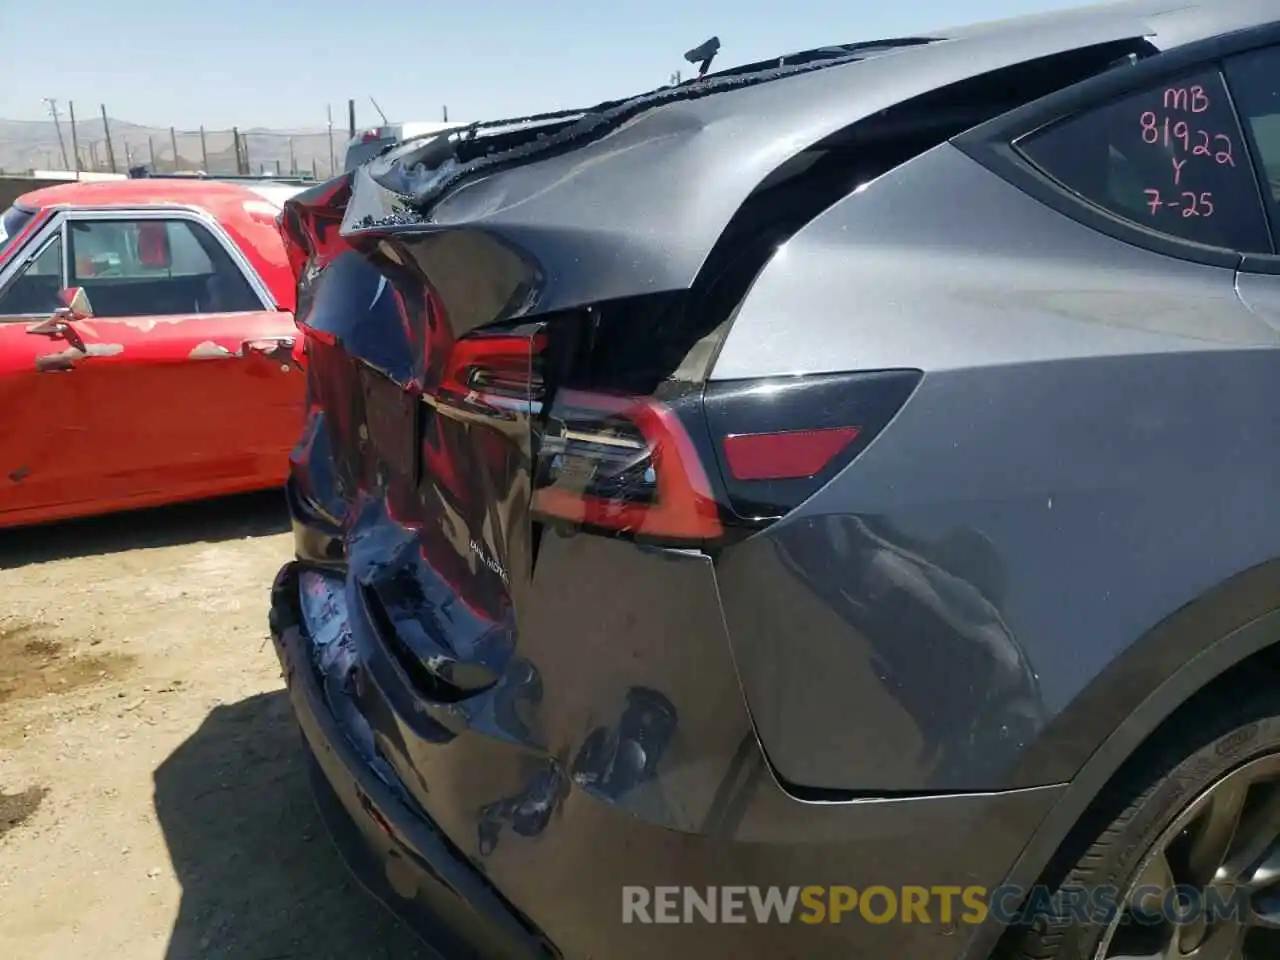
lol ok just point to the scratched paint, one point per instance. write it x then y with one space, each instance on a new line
17 476
67 359
145 324
208 350
274 349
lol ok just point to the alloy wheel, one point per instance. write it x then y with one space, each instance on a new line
1209 888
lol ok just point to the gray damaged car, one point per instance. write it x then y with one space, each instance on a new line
854 470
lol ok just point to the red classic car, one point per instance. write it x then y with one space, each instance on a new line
147 346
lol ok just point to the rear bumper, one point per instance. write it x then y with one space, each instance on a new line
554 886
393 850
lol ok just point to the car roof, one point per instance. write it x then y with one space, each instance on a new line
1167 23
216 196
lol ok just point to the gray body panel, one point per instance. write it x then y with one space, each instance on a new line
941 265
1091 448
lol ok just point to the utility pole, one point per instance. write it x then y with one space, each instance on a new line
173 142
106 132
204 151
151 153
445 110
351 119
333 163
57 126
75 143
293 160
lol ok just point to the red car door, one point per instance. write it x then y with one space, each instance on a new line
188 365
47 449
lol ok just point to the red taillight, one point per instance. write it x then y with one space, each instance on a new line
369 136
785 455
495 365
295 243
488 375
623 464
310 227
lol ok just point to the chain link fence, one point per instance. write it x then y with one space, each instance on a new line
100 145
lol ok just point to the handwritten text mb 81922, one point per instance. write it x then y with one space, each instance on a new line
1174 128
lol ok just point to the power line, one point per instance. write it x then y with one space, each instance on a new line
57 125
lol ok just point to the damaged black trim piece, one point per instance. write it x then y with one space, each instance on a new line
424 173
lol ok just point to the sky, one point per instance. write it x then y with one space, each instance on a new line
281 63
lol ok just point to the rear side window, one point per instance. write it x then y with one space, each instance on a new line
152 267
1255 86
1171 159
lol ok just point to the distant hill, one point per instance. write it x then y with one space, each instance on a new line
33 144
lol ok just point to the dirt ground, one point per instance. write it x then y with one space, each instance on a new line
153 801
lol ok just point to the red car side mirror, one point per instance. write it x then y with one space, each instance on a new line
77 301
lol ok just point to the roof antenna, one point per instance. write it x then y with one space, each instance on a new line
703 55
385 121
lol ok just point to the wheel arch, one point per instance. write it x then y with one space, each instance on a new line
1168 672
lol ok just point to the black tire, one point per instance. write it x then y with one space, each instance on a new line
1164 784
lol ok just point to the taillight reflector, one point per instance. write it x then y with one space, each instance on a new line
785 455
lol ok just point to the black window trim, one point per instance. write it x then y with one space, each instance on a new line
1253 262
992 144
